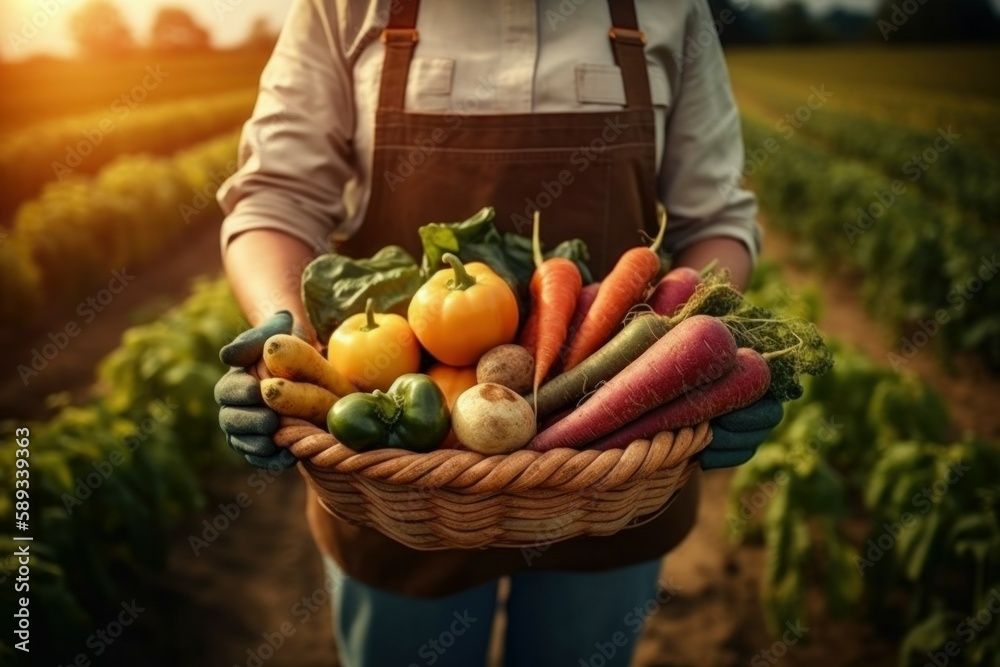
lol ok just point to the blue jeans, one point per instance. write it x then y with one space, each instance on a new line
554 619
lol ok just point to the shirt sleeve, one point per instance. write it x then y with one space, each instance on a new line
295 158
702 166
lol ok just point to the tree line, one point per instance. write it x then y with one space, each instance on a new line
100 30
893 21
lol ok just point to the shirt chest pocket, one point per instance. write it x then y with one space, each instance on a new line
429 85
602 84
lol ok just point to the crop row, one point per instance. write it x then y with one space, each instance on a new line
931 556
109 478
55 151
925 269
71 238
946 163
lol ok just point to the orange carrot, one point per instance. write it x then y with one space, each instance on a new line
620 290
555 287
529 334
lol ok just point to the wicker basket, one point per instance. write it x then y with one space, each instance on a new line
450 498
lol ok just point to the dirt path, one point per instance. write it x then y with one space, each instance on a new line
155 287
253 577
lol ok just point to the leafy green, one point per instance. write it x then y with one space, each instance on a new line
509 255
334 287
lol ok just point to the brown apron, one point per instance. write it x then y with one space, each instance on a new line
593 177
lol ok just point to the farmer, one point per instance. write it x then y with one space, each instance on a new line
374 118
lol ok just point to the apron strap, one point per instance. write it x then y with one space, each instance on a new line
627 41
400 37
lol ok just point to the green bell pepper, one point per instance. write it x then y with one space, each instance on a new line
412 415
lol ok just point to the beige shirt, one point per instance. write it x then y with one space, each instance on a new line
306 152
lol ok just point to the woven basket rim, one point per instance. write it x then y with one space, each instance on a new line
463 471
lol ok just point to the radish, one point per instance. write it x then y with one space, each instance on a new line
698 350
674 290
565 390
744 384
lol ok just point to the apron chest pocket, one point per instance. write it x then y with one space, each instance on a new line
602 84
429 85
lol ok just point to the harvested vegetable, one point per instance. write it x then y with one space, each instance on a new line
742 385
373 349
673 290
411 415
509 255
588 293
452 381
529 333
301 400
555 287
509 365
792 346
462 312
334 287
621 289
492 419
292 358
566 389
696 351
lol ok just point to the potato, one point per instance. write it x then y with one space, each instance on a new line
492 419
509 365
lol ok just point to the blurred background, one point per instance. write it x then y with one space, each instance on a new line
864 532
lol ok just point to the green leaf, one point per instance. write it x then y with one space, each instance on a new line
334 287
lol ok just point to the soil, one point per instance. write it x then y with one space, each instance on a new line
263 570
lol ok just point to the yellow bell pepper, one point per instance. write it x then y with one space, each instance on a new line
462 312
372 350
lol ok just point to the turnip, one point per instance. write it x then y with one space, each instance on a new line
492 419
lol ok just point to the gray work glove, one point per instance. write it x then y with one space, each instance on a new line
248 423
736 435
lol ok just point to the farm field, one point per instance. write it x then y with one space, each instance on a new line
47 89
157 345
